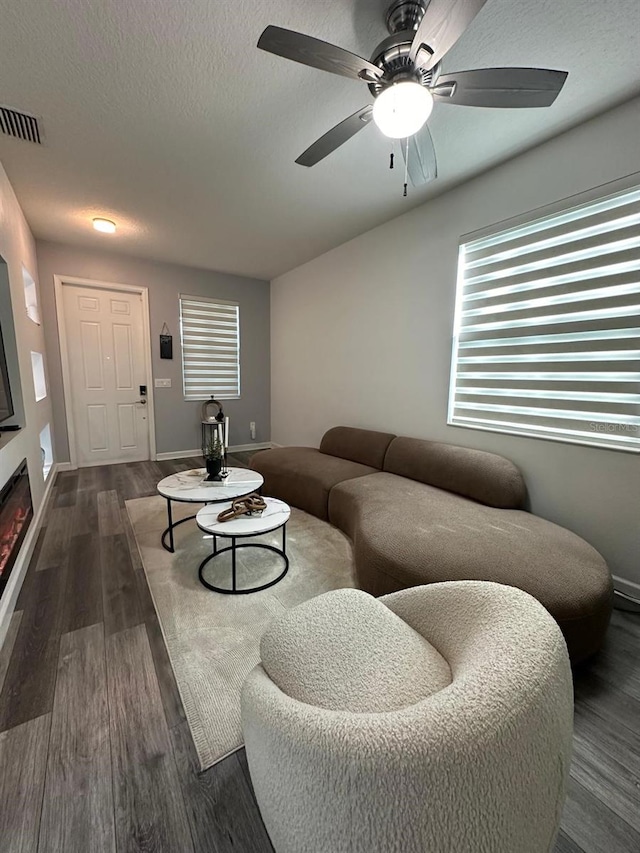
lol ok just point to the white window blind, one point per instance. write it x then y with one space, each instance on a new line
547 327
210 332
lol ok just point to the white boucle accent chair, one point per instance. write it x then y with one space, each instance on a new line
437 719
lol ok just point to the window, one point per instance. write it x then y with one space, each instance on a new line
547 328
210 332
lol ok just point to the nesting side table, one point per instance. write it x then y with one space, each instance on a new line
191 487
275 516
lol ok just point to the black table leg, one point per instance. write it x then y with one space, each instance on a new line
169 531
233 563
170 520
234 578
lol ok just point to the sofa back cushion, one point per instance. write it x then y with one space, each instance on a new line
365 446
484 477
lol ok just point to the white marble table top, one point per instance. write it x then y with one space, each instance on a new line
274 516
190 486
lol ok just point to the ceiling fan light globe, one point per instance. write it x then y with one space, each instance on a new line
402 109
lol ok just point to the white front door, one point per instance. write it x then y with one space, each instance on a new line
107 366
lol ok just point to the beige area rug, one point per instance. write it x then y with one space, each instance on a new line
213 640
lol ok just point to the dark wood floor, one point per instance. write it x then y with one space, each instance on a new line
95 752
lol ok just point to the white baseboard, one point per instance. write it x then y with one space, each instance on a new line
627 587
625 602
184 454
178 454
19 570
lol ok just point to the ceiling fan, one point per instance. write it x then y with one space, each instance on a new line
404 77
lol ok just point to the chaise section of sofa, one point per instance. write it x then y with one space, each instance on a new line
406 533
438 512
304 476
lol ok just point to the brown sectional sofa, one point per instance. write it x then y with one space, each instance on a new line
421 512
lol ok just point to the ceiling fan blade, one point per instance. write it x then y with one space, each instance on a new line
500 87
317 54
420 156
335 137
441 27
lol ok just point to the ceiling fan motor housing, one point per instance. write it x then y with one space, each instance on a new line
403 15
392 54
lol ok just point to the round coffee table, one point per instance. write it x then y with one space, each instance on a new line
272 518
191 487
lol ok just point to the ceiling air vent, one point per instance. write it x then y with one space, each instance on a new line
19 125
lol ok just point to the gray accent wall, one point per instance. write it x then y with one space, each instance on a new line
177 421
362 335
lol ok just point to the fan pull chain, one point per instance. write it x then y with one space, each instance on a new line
406 167
391 161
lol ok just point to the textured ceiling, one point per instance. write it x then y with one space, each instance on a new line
164 116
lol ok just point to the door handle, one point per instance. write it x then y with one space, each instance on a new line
143 402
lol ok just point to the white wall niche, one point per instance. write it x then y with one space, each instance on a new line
46 449
31 297
39 380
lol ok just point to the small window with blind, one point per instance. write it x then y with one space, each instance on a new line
547 327
210 334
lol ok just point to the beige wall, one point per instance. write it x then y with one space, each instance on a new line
177 421
362 335
21 337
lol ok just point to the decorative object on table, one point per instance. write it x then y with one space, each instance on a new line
208 415
215 432
253 504
213 452
166 342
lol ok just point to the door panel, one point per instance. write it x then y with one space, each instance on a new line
118 306
105 343
127 424
123 357
97 422
88 303
92 357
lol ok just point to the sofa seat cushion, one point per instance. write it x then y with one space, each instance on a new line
346 651
303 477
407 533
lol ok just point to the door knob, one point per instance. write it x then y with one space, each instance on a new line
143 402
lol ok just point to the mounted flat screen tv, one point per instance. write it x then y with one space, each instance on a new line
6 403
